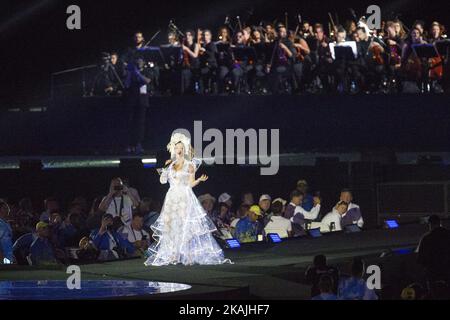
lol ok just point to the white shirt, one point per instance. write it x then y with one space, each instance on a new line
127 210
132 235
330 217
234 222
360 221
309 215
279 225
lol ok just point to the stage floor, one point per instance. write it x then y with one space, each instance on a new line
260 270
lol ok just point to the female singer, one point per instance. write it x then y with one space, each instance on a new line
182 232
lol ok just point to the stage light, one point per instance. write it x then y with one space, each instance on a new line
232 243
148 160
273 237
390 224
352 228
315 233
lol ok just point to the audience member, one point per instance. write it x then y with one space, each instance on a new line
6 251
325 288
317 270
355 287
277 223
247 227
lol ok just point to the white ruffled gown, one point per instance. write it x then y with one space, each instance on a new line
183 230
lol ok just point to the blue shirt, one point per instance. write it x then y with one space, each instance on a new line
308 202
42 252
246 230
6 240
23 243
104 241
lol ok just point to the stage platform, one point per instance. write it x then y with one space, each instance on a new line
260 270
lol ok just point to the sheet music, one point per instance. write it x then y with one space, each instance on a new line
351 44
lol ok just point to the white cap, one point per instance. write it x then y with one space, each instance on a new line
224 197
265 197
283 202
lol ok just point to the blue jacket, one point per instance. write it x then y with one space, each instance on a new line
308 202
102 241
23 243
42 252
6 240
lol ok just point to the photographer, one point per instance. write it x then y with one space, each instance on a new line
109 243
119 203
134 234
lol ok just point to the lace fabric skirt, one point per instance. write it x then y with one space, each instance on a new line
183 232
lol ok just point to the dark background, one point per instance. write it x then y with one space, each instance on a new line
35 41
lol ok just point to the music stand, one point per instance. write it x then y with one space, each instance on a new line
443 47
425 51
243 53
344 51
264 51
152 54
172 55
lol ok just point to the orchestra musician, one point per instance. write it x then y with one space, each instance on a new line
368 71
412 68
322 63
241 67
208 64
280 65
224 59
301 60
394 53
190 68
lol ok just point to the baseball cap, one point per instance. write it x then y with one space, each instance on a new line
255 209
265 197
224 197
283 202
41 225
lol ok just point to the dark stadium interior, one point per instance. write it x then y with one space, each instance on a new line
390 152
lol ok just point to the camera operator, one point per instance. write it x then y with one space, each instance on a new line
119 203
108 242
109 80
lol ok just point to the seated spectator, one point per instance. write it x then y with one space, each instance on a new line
136 235
247 198
308 201
297 215
264 204
325 288
247 227
332 220
41 250
277 223
241 213
51 205
119 203
434 253
317 270
6 246
110 244
226 198
207 201
22 246
355 287
86 251
283 203
413 292
353 214
221 221
25 216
